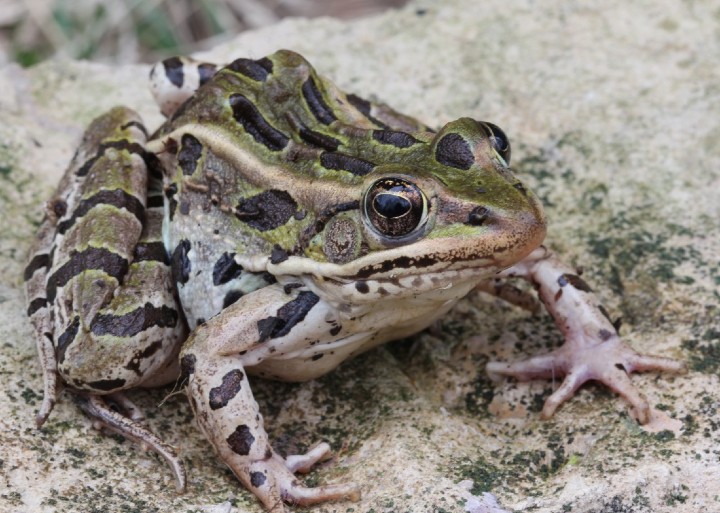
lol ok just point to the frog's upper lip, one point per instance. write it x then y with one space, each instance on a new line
503 239
498 245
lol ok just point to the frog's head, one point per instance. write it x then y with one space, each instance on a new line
453 213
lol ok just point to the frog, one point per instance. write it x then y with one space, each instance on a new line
276 226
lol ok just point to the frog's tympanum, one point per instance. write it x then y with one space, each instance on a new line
276 226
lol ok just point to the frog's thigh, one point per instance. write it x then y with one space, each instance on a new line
116 323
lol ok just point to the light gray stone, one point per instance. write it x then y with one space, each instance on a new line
614 114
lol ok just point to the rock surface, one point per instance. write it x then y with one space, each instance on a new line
614 113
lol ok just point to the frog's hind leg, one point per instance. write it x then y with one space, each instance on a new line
115 323
99 411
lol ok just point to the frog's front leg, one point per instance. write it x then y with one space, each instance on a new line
592 350
214 358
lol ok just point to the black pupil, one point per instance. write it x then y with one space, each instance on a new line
499 143
499 140
391 206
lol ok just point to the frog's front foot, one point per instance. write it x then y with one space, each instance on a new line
608 361
592 350
274 482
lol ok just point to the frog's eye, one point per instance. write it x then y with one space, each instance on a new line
395 207
498 140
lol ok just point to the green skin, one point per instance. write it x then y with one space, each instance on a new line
300 226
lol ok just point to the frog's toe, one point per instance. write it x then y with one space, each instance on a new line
303 463
644 363
538 367
274 483
303 496
128 408
103 416
567 389
619 382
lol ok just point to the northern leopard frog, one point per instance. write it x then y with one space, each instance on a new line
277 226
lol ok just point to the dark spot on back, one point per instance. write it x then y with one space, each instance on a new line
121 145
454 151
110 263
115 197
394 138
245 113
343 162
316 103
364 107
256 70
318 139
268 326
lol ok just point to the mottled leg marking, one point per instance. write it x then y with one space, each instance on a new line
213 362
98 410
99 286
592 350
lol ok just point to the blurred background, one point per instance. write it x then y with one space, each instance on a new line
124 31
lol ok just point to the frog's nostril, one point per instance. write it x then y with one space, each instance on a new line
479 216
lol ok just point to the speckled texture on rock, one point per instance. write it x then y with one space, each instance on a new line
614 113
